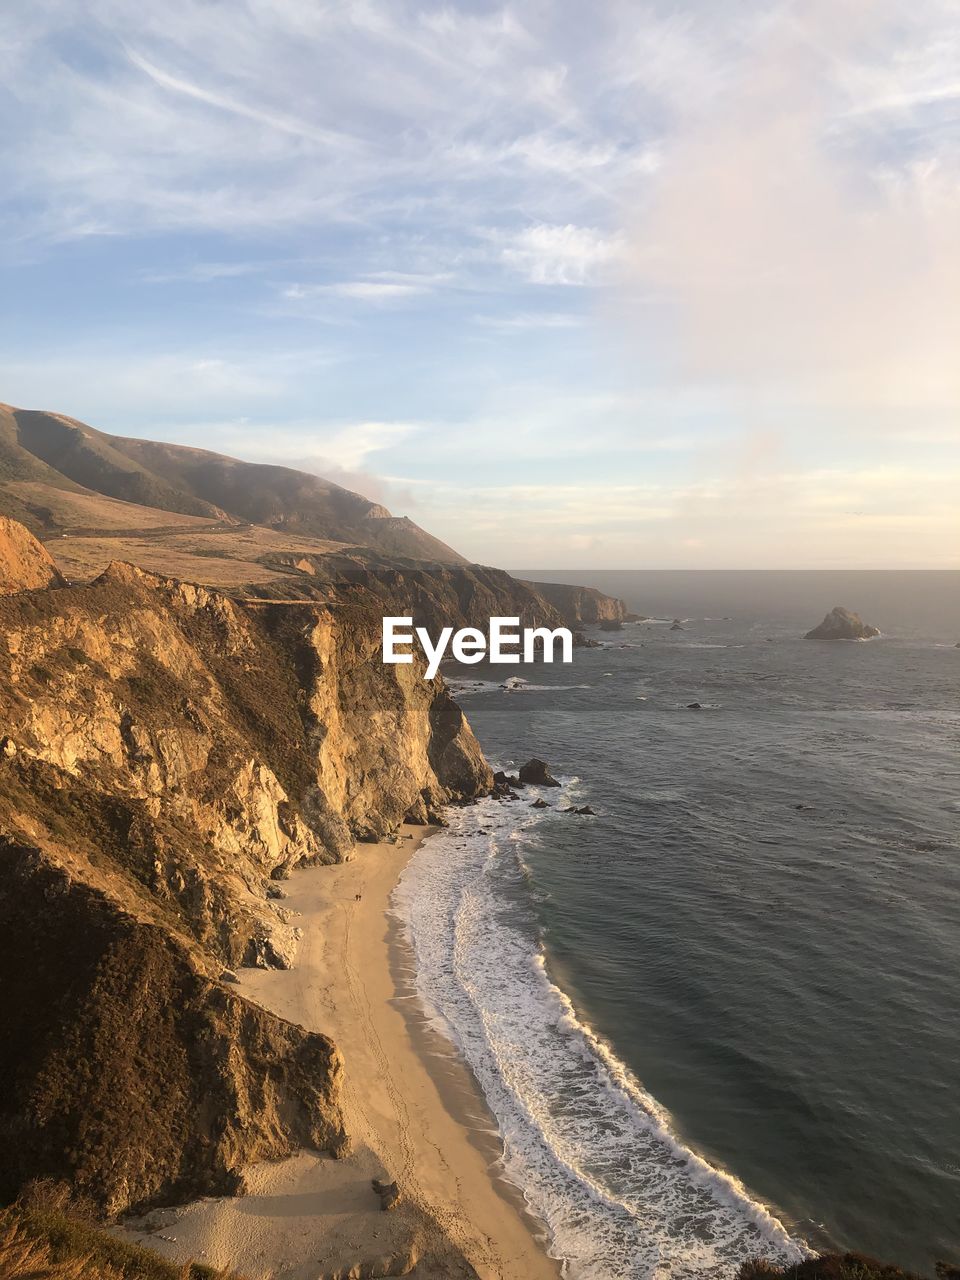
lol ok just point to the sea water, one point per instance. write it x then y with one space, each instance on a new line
721 1018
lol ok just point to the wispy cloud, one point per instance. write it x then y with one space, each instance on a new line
200 273
246 111
703 259
358 290
531 321
801 251
561 255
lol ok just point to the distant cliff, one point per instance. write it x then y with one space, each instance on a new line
166 755
456 596
581 606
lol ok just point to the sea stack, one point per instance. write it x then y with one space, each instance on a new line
842 624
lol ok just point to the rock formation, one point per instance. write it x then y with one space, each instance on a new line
842 624
169 755
536 773
131 1075
25 564
582 606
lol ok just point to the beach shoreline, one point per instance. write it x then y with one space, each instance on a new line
413 1110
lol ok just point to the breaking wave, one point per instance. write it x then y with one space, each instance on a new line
594 1154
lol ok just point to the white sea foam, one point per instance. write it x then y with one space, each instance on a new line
466 688
593 1152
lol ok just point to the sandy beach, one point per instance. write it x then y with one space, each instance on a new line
412 1108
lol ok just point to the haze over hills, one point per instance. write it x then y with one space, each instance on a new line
263 532
55 473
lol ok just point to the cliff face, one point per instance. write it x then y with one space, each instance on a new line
166 755
24 563
433 597
131 1075
581 606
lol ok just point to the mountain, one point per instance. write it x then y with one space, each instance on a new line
53 469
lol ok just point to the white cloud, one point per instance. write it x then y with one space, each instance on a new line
200 273
527 320
562 255
356 290
801 252
459 119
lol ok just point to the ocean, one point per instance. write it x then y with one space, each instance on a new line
720 1018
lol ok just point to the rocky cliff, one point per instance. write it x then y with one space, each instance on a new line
25 564
167 755
434 597
581 606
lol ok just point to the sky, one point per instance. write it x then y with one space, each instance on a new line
610 285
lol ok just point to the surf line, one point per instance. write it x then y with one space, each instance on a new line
503 643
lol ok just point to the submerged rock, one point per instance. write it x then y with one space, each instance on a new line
537 773
540 803
842 624
501 779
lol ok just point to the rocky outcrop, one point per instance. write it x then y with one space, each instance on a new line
842 624
168 754
582 606
25 564
128 1073
536 773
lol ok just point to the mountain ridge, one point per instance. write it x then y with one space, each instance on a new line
65 455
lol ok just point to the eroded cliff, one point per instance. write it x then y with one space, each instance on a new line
167 755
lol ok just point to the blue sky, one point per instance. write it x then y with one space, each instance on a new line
611 285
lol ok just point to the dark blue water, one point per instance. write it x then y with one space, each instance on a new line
763 921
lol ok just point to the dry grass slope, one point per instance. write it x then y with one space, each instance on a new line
46 1242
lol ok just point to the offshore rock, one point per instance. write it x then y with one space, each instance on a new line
536 773
842 624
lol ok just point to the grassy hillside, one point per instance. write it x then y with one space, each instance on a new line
45 456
